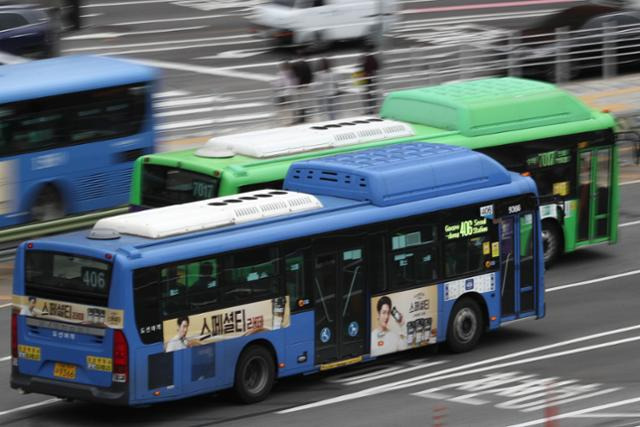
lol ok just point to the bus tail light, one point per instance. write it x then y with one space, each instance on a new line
120 357
14 339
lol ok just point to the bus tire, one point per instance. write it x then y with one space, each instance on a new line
255 374
466 325
47 205
551 242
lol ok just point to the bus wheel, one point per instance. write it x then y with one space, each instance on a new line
551 242
255 374
47 206
465 326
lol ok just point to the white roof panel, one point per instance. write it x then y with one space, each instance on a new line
207 214
303 138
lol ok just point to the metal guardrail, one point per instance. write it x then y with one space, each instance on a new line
23 232
556 56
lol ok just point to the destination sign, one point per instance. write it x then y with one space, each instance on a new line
466 228
549 158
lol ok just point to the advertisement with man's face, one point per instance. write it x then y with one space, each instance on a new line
404 320
232 322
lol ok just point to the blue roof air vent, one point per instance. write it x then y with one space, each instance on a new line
397 173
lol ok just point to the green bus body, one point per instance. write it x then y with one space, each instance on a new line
531 127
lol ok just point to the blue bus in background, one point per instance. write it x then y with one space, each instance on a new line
70 130
361 255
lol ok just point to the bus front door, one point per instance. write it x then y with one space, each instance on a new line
338 281
594 204
517 266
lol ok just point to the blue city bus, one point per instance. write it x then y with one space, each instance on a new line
361 255
70 131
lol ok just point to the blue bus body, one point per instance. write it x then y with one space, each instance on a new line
70 130
369 192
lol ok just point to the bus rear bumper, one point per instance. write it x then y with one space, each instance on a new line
28 384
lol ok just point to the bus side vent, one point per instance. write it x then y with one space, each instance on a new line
93 186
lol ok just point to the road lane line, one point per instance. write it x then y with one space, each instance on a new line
377 375
592 281
125 3
206 70
637 181
578 412
33 405
483 6
466 369
113 35
6 305
628 224
4 359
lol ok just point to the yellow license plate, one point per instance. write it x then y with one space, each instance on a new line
64 370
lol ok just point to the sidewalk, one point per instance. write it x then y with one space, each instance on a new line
619 95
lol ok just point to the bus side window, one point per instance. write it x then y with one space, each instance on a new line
412 256
173 291
203 286
251 274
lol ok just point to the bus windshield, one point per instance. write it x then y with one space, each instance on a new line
167 186
73 278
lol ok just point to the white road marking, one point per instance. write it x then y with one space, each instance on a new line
578 412
630 182
589 282
4 359
608 415
454 373
124 3
381 374
209 122
207 70
211 109
160 43
158 21
190 101
114 35
628 224
33 405
170 94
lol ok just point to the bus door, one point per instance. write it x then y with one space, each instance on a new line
517 266
338 281
594 205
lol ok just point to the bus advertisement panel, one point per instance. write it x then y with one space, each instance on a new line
68 142
530 127
346 264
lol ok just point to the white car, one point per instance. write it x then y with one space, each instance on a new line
317 23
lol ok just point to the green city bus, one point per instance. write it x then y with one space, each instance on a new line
530 127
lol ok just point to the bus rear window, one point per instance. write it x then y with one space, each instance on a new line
66 277
162 186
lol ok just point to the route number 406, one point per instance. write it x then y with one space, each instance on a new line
92 278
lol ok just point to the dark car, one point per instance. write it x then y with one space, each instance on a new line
26 30
576 40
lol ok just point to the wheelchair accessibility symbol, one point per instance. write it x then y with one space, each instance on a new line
353 329
325 335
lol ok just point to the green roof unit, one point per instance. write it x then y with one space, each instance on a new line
487 106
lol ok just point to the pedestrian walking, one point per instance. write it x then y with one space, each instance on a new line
74 14
368 75
327 88
304 77
284 87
